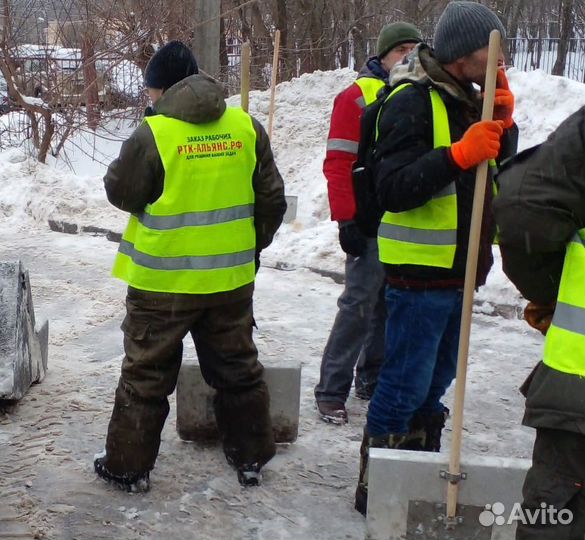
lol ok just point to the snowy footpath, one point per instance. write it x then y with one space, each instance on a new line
47 441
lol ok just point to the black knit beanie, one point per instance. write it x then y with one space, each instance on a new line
170 64
463 28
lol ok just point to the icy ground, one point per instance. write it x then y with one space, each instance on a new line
47 485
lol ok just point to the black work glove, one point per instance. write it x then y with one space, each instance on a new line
352 240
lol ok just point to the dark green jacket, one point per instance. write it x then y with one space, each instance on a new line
540 206
136 177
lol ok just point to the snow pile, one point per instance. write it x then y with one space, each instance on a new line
542 102
30 193
301 123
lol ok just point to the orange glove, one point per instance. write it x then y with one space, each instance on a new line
504 100
539 316
479 143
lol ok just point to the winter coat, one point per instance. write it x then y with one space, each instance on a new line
409 171
136 177
345 125
540 206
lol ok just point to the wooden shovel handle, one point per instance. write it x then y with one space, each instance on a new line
273 81
470 278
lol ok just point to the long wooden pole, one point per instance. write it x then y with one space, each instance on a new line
273 81
470 278
245 77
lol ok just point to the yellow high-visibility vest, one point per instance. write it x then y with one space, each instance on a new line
198 237
370 86
427 235
564 348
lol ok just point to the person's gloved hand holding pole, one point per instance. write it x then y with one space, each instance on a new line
479 143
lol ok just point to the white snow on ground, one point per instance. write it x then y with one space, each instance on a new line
47 487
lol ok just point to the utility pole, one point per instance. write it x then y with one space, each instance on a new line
205 44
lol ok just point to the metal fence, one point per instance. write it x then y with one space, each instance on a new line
528 54
59 74
541 53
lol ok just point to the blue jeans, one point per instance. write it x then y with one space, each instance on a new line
422 340
357 335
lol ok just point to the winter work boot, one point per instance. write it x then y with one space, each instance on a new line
384 441
434 425
131 482
417 436
332 412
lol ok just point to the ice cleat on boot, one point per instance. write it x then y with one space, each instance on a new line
249 475
130 482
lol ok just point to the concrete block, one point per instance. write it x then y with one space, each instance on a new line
23 345
196 417
406 496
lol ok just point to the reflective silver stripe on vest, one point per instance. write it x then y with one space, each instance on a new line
571 318
446 191
361 101
417 236
192 219
343 145
204 262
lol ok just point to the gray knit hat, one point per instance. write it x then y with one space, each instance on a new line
463 28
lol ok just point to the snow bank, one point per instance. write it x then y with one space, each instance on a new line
301 124
29 192
542 102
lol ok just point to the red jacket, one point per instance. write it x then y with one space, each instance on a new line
342 145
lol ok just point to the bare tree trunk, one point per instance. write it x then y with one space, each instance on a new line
223 53
90 79
360 53
48 133
287 67
566 31
7 25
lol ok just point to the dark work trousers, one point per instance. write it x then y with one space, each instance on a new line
154 328
357 335
556 480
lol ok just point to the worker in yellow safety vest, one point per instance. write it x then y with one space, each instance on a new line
430 140
540 211
205 198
